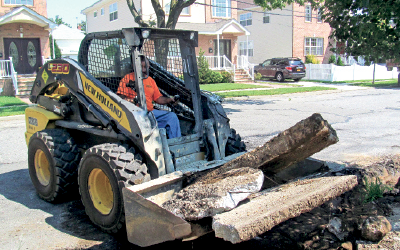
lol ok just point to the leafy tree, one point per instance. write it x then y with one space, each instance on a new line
175 10
82 24
59 21
57 51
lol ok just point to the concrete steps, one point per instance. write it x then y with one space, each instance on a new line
25 84
242 76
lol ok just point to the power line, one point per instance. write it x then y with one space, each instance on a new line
255 5
253 11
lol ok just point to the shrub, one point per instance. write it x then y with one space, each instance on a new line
226 77
339 61
214 77
204 69
311 59
206 75
257 76
332 59
373 191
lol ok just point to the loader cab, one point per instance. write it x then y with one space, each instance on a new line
109 56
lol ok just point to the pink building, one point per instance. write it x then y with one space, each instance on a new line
24 33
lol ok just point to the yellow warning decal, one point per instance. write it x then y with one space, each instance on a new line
105 102
45 76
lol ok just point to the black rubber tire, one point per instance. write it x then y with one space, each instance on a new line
58 149
121 167
234 144
279 77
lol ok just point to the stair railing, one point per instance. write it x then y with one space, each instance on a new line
243 63
7 71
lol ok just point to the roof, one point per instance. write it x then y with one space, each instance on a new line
87 9
26 15
65 32
225 26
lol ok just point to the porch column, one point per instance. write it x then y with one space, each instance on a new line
218 58
52 41
247 49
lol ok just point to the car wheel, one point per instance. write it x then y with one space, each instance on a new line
279 77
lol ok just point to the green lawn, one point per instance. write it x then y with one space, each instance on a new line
11 106
229 86
378 83
279 91
365 83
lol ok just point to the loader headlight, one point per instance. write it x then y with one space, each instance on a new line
191 35
145 33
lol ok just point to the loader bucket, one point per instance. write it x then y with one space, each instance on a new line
147 223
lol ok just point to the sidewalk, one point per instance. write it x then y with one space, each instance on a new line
287 84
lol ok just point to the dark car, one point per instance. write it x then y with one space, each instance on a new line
282 68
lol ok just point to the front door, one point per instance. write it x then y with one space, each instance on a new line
25 53
224 49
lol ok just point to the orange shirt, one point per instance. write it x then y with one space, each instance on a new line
151 90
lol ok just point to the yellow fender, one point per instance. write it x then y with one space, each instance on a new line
38 119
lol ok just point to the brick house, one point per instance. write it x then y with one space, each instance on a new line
215 21
294 31
24 33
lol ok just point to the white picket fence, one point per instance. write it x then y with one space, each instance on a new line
333 73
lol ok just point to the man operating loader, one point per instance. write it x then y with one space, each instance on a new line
165 119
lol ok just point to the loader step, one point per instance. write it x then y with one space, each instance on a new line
275 205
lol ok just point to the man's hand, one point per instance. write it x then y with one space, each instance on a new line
166 100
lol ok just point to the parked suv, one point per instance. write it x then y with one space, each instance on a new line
282 68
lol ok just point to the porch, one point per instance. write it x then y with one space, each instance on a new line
22 83
242 71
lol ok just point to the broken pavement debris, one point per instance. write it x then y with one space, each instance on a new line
207 199
279 204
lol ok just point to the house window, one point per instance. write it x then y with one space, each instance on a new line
22 2
102 11
266 17
319 17
246 48
113 12
313 46
246 19
167 6
221 8
95 14
308 14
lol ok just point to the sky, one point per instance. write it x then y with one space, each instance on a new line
68 10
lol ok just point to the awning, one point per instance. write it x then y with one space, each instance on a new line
26 15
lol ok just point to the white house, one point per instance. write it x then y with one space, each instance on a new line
68 40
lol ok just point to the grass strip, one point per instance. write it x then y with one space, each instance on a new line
229 86
10 105
10 101
279 91
13 110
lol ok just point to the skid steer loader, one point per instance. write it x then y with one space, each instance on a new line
82 132
83 136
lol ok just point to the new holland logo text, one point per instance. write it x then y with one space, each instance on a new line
59 68
103 100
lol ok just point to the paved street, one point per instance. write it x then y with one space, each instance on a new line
366 121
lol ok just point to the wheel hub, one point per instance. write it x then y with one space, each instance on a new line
42 167
100 191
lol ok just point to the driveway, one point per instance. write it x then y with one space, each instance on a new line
366 121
